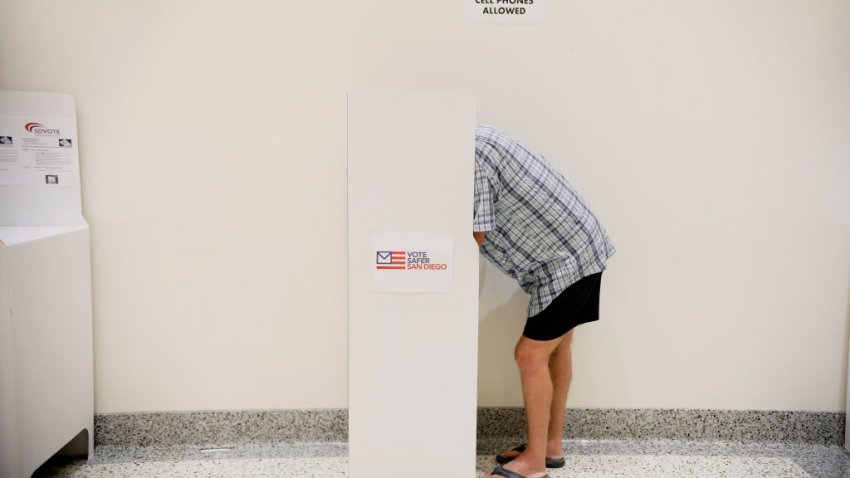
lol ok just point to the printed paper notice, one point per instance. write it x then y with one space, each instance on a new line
38 151
412 261
505 11
8 156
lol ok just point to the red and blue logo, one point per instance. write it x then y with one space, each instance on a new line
390 260
406 260
39 129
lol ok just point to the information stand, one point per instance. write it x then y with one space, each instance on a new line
46 358
413 285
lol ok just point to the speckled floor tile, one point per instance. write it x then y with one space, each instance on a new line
122 454
585 459
218 468
631 466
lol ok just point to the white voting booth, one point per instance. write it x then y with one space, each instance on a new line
413 285
46 369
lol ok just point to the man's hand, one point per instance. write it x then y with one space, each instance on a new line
479 237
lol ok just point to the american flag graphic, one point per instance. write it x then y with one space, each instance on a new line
390 260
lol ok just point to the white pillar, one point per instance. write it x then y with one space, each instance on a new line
412 355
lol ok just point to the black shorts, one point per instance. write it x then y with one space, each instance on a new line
578 304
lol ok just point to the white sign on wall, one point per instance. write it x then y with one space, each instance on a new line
38 151
411 261
39 160
505 11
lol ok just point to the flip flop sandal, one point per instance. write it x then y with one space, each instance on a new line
550 462
509 474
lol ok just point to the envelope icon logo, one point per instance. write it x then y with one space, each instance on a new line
391 260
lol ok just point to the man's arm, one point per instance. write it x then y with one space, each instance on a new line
479 237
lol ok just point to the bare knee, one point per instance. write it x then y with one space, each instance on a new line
529 356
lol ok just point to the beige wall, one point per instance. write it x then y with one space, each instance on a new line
712 139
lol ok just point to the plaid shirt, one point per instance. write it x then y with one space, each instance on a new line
539 230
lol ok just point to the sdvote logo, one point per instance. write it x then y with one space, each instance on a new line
406 260
39 129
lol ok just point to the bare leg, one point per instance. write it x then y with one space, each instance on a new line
561 372
533 358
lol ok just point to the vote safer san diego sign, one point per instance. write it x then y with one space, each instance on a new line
411 261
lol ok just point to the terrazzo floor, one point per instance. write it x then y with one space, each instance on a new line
585 459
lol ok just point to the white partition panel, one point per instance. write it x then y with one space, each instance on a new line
46 360
47 371
412 354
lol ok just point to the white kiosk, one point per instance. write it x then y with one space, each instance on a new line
413 285
46 367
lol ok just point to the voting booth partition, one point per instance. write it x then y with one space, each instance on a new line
413 285
46 353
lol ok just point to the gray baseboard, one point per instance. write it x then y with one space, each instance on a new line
496 426
221 427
